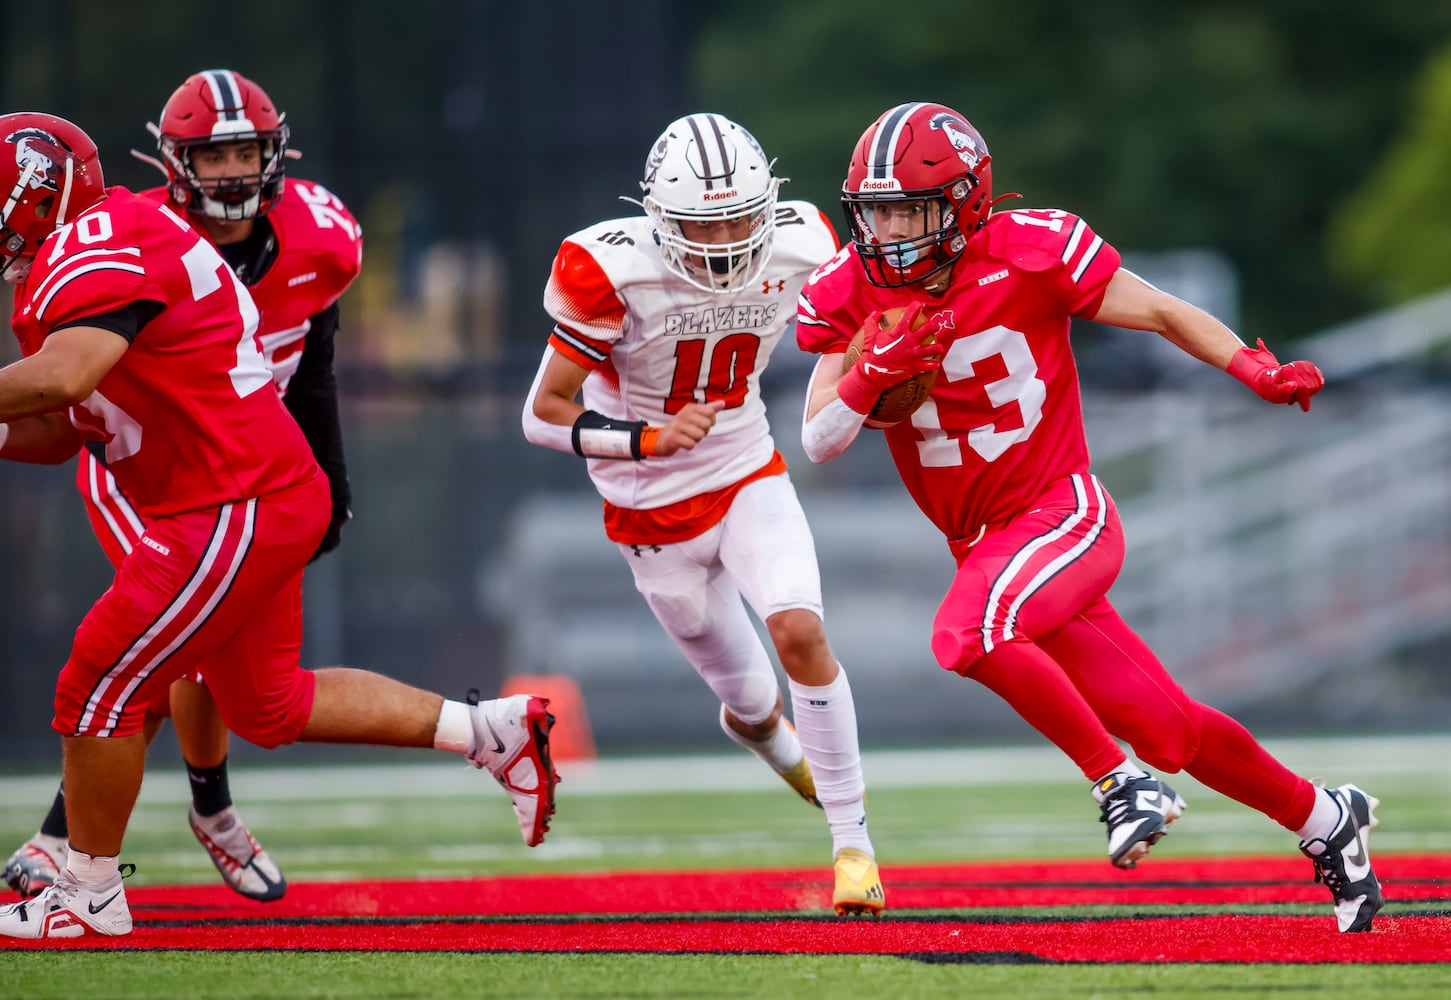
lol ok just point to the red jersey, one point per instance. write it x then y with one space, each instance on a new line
188 415
319 253
1004 419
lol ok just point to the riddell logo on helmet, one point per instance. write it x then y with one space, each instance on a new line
725 195
890 184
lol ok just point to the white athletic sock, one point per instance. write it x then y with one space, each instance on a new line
782 750
1323 817
1128 767
455 728
53 844
826 724
91 869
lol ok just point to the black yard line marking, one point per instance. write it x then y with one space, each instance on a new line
979 958
937 958
1129 883
734 919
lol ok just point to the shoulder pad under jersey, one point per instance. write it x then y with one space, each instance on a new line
1034 239
315 229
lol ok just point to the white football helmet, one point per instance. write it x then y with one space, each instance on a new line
705 168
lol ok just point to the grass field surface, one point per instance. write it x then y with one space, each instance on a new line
435 819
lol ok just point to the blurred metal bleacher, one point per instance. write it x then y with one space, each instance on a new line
1270 552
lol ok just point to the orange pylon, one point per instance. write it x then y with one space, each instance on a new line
571 738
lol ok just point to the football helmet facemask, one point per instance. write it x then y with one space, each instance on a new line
51 172
917 152
220 106
706 169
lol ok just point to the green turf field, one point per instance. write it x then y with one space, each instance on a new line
680 976
422 818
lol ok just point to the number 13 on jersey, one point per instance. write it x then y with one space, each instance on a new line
1020 386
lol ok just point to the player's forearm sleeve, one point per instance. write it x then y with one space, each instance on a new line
831 431
312 399
536 431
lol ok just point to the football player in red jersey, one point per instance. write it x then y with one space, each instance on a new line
135 333
222 144
997 459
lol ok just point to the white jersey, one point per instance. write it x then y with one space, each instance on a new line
654 343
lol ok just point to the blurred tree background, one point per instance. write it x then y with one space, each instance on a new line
1304 146
1240 126
1306 141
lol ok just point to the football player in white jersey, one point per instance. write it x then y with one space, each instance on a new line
664 323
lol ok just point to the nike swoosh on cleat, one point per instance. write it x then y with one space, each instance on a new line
1357 866
498 743
1152 802
97 909
884 348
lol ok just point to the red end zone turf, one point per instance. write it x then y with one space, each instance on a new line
788 911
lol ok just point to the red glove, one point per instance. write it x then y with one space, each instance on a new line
890 357
1295 382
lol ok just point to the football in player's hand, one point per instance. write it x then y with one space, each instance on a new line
903 399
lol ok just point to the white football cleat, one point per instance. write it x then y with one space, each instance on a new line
243 864
1138 811
1342 860
68 909
32 869
511 739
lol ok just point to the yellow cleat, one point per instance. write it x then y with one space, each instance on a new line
858 885
799 777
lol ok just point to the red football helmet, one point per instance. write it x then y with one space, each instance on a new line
216 106
917 152
53 173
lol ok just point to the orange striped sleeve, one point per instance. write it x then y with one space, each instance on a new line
584 302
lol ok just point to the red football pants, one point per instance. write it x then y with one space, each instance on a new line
221 586
1027 616
117 525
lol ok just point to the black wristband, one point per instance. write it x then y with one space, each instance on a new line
595 435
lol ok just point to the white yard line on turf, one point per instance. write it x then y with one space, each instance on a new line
1357 760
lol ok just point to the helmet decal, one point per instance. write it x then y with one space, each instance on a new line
957 134
37 149
52 174
653 164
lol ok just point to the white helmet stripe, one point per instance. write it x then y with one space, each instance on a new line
225 92
232 117
884 146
